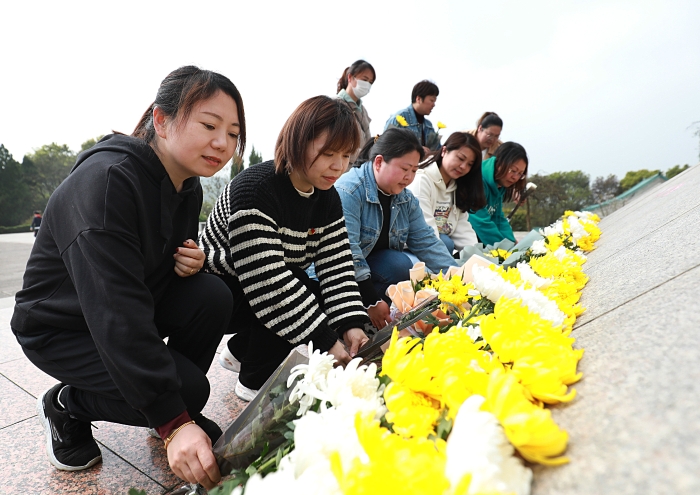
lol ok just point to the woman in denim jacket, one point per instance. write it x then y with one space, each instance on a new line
382 217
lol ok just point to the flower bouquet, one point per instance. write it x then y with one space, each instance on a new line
461 410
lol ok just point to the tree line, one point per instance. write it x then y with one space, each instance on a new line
561 191
26 186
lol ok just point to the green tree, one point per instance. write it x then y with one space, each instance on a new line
556 193
236 165
634 177
90 143
605 188
675 170
211 189
255 157
52 163
15 192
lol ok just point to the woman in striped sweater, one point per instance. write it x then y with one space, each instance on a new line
270 223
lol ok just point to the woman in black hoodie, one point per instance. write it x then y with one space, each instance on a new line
114 271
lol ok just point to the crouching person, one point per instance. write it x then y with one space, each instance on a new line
116 270
270 223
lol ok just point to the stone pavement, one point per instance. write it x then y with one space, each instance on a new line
635 423
14 252
130 457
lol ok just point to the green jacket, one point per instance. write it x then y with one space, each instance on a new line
489 223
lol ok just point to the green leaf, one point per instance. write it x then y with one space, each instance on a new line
134 491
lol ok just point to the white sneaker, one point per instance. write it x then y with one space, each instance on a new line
244 393
229 362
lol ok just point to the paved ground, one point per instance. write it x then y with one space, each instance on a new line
635 424
14 252
131 458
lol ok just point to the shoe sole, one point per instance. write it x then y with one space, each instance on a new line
49 446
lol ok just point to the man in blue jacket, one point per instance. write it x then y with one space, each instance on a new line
423 98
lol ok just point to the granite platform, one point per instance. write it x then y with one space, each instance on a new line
635 423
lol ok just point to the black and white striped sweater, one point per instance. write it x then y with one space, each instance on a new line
259 227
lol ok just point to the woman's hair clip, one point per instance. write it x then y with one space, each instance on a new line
376 138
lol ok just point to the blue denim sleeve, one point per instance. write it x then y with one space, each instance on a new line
391 122
352 209
423 242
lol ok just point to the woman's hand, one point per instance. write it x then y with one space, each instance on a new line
189 259
379 314
354 339
340 354
191 459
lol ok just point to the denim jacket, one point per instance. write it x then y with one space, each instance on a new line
363 220
422 131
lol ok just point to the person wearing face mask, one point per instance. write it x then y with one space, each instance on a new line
448 187
488 130
270 223
504 175
413 117
353 85
383 219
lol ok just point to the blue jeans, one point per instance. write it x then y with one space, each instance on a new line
449 243
388 267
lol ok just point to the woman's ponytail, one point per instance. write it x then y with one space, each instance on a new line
343 81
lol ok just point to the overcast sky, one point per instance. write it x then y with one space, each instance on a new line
599 86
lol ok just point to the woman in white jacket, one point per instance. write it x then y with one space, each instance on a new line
449 186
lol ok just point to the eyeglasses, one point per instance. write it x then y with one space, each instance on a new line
491 136
515 172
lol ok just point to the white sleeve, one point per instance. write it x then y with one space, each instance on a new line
463 233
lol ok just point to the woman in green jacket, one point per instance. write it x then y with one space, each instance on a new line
504 175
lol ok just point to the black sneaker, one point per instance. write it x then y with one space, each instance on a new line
69 442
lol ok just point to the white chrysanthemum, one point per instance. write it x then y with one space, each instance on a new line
562 254
355 387
577 230
557 228
312 383
539 247
478 445
492 286
317 436
529 275
318 480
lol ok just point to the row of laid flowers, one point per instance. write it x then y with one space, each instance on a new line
459 409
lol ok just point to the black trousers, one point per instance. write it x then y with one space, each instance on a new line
259 350
194 314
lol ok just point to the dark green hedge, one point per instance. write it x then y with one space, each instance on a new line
15 229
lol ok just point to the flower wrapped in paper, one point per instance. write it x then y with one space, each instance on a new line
263 423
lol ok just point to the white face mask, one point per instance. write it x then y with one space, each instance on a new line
362 88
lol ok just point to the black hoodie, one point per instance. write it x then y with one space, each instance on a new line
102 261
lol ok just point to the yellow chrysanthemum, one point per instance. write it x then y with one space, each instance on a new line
541 356
440 125
529 428
412 414
416 465
401 120
554 242
499 253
